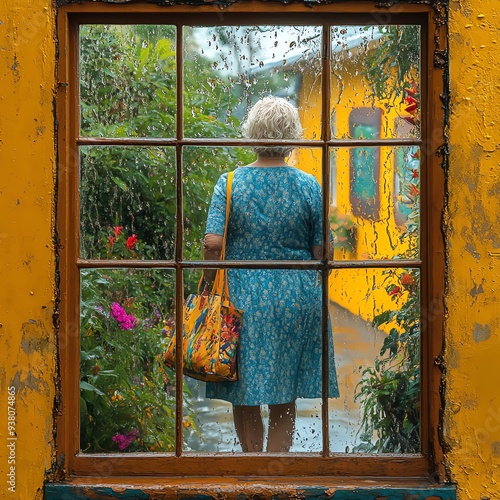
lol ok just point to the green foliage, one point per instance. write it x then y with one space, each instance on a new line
124 384
397 56
344 231
128 89
125 388
127 84
390 390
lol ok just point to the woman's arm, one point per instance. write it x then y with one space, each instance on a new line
212 246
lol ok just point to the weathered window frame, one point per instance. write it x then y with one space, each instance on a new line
429 462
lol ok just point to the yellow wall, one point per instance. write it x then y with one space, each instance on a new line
362 292
26 231
472 421
472 417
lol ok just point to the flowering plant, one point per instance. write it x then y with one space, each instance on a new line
412 103
127 401
126 321
124 441
118 243
390 390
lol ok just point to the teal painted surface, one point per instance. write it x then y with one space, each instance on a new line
69 492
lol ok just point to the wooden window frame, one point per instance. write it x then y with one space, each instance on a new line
72 464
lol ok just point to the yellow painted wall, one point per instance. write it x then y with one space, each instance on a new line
362 292
472 416
472 422
27 166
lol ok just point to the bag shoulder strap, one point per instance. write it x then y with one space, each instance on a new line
221 285
229 190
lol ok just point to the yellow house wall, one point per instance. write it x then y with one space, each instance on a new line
27 166
472 417
27 338
363 292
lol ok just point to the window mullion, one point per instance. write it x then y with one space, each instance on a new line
325 136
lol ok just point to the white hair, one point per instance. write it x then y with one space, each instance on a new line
273 118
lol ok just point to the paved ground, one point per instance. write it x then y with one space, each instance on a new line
356 345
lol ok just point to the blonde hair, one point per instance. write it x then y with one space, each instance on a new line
273 118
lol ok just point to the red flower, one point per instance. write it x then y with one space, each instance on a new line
131 241
117 230
414 174
395 291
407 280
112 241
412 102
411 108
414 191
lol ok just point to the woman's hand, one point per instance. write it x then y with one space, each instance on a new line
212 246
317 251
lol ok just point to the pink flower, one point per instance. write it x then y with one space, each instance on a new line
124 441
131 241
127 321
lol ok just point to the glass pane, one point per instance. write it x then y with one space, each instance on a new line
227 68
376 73
127 394
375 206
269 204
127 81
376 323
127 202
277 395
407 192
201 169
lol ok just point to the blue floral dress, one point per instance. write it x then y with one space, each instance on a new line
275 214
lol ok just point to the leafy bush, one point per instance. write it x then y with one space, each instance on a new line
127 396
128 89
390 390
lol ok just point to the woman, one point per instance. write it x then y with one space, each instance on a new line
275 214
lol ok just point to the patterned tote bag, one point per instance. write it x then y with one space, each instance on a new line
211 327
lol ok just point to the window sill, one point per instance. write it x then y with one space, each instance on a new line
262 487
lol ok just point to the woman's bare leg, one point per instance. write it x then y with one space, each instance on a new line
249 427
281 427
